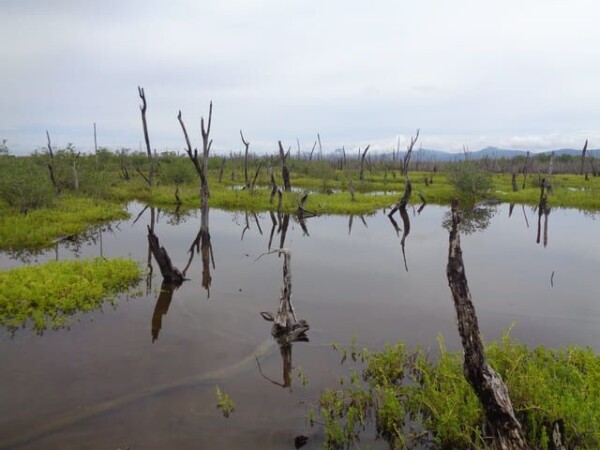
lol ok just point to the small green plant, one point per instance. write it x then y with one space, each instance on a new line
413 401
224 402
47 294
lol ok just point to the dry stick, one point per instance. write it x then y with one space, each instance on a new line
143 106
361 176
246 145
51 164
488 385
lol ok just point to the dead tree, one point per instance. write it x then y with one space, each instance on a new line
246 145
222 169
525 169
311 152
405 231
407 184
361 175
515 187
150 178
285 173
503 425
51 165
583 152
284 321
320 146
256 175
543 210
169 272
201 169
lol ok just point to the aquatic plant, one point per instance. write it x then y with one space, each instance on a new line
412 401
224 402
46 295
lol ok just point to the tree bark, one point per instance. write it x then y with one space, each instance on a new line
493 394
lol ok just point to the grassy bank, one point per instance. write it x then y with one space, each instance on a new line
68 216
47 294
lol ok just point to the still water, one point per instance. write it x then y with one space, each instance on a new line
142 375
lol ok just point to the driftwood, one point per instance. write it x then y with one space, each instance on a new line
503 426
143 106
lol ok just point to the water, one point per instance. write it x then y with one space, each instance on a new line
143 375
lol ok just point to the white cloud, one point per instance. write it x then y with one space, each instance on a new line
518 73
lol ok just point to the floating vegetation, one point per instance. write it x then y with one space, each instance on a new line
47 294
224 402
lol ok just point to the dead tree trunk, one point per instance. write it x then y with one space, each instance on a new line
583 152
361 175
201 169
515 188
525 169
285 173
150 179
162 306
504 427
246 145
169 272
51 165
407 184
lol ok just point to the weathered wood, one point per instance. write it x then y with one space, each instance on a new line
246 145
169 272
361 175
285 173
51 164
493 394
143 106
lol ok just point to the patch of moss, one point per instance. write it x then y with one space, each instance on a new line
47 294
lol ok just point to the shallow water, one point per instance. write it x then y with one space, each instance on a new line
104 383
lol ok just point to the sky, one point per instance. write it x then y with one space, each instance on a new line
516 74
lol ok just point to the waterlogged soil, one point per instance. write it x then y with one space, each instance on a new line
142 375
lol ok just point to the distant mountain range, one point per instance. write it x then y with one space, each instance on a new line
488 152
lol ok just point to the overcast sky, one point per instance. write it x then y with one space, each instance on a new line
512 74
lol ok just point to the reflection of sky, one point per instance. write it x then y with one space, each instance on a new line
356 283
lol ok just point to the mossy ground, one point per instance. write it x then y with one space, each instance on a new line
47 294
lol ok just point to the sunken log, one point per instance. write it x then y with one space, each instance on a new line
504 428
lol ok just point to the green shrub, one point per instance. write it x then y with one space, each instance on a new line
24 184
469 180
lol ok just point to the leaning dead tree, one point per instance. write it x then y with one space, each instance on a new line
285 172
407 184
361 175
503 426
170 273
150 178
201 167
51 164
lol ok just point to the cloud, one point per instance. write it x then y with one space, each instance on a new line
281 70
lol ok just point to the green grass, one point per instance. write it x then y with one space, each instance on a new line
69 217
47 294
410 399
